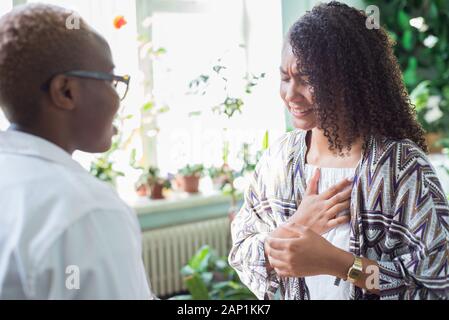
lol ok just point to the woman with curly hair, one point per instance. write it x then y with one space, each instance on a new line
347 206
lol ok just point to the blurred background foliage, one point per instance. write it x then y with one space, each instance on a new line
208 276
421 31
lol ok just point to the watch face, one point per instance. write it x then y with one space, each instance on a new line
354 274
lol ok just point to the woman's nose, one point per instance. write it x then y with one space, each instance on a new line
293 92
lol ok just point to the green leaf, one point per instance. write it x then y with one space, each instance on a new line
160 51
187 270
143 38
407 40
190 170
148 106
410 76
196 287
265 142
445 92
182 297
420 95
218 68
163 109
194 113
433 11
404 20
221 264
195 262
207 278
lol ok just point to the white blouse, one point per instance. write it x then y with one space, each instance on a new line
322 287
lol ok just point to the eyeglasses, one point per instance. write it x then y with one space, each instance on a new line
120 83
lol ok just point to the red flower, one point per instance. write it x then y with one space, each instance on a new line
119 22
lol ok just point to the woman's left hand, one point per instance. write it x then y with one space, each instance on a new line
307 254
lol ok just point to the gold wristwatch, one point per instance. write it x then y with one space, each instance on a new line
355 272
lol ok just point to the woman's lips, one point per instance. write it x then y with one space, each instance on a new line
297 113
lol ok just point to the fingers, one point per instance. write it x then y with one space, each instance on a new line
336 208
332 191
338 221
283 232
292 229
286 243
276 259
312 186
339 207
339 198
276 254
278 244
279 266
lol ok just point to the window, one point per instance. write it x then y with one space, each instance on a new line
192 36
100 15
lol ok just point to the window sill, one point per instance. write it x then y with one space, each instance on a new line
179 209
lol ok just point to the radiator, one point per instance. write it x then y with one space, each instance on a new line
167 250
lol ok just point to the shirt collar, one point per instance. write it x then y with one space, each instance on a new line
28 145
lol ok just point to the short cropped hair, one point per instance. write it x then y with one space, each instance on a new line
37 41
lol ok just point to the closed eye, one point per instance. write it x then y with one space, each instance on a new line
303 81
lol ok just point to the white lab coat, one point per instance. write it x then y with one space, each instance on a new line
63 233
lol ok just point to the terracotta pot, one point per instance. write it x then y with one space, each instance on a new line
431 139
188 184
219 181
232 213
156 191
142 190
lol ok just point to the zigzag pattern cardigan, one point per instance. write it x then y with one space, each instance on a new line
399 218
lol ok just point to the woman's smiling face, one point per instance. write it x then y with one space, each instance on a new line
296 92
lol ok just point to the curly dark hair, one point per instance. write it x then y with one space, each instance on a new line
356 79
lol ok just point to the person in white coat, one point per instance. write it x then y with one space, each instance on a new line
63 233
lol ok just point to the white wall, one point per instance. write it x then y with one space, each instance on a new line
5 6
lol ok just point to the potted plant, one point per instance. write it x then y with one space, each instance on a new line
188 178
103 169
218 176
156 183
142 188
208 276
151 184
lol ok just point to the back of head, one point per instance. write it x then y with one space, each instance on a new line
36 44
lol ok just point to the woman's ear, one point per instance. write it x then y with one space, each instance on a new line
62 92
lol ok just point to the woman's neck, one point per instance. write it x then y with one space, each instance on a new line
318 153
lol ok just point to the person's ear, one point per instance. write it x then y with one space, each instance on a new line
62 91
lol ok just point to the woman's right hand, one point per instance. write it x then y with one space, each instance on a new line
319 212
316 211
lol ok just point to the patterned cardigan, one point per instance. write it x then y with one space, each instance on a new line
399 218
